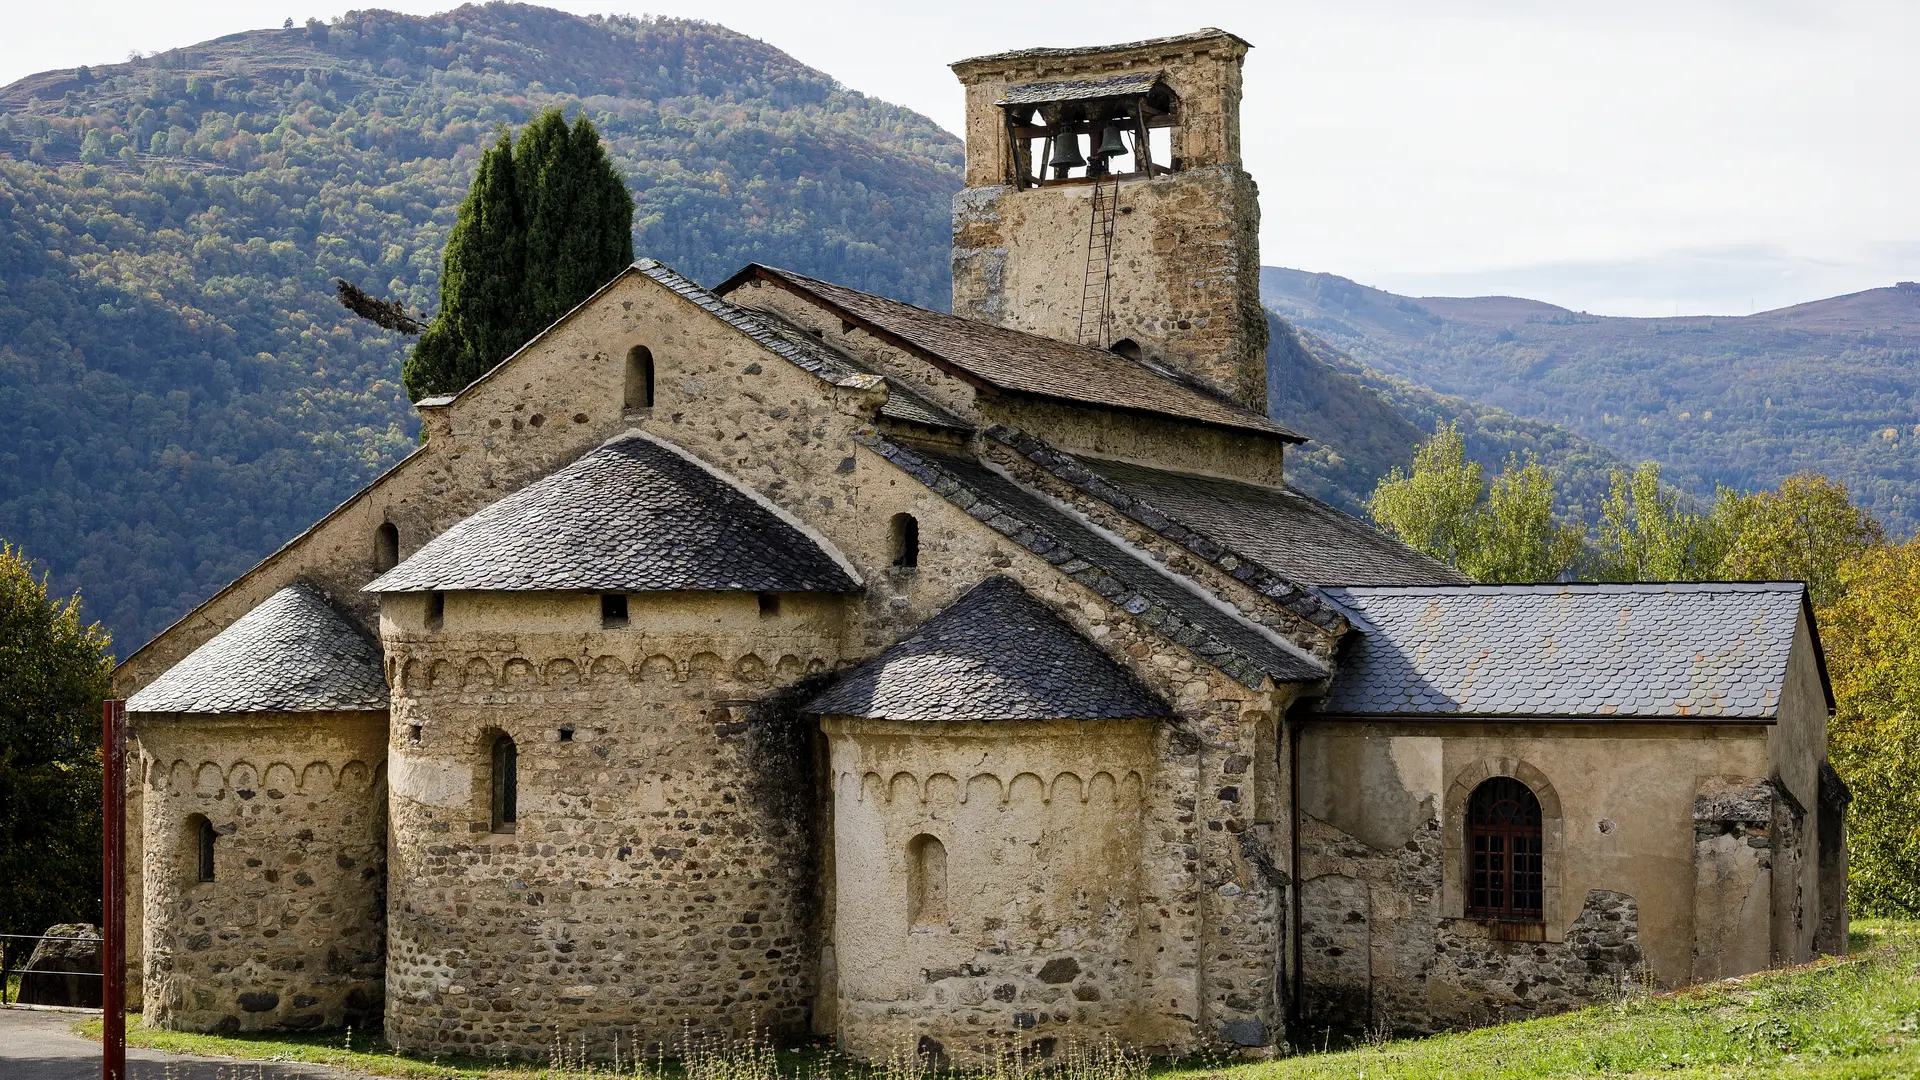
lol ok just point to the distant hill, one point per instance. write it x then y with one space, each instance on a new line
181 393
1364 422
1832 385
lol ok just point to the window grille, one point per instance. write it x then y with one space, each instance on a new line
1504 851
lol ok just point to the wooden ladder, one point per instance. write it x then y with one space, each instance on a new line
1096 291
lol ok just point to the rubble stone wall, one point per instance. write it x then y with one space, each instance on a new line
289 934
1047 852
661 870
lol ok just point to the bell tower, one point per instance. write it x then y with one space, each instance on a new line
1105 203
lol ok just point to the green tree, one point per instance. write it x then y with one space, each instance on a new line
1872 646
1442 507
1519 540
1804 530
1644 535
53 674
546 222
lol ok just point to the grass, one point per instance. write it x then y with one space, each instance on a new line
1846 1017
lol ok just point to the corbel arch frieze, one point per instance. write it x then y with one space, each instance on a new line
483 672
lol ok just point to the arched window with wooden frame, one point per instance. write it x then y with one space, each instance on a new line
1505 852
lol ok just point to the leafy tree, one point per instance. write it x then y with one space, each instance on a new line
545 224
53 674
1804 530
1644 535
1872 644
1443 508
1434 507
1519 540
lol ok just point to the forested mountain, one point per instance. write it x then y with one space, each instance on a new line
181 393
1832 386
1364 422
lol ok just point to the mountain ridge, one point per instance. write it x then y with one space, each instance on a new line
1831 385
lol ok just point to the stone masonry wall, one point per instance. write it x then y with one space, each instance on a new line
657 875
1376 954
1039 940
1186 252
289 933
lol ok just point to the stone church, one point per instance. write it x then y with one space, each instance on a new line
780 655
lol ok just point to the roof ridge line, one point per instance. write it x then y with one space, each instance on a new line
1288 594
1547 587
1243 669
1180 581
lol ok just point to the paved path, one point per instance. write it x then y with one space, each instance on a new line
37 1045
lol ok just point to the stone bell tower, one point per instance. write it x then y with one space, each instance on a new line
1105 203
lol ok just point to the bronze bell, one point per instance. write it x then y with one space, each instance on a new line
1111 145
1066 153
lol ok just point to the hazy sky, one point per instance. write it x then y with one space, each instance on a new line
1619 157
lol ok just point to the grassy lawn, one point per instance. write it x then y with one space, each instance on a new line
1857 1016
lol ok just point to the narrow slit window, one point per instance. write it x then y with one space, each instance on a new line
769 604
203 835
613 610
639 378
436 610
386 547
926 881
906 541
1505 854
506 785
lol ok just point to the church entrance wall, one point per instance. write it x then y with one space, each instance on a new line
1388 929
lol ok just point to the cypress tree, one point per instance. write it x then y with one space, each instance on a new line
547 221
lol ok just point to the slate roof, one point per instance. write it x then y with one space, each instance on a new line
634 515
1022 362
1711 651
802 349
1191 38
996 653
1041 93
1294 535
292 653
1209 628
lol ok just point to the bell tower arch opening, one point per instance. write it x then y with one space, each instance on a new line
1105 201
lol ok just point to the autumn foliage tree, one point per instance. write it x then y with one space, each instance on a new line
1872 642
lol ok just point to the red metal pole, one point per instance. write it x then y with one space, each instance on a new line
113 890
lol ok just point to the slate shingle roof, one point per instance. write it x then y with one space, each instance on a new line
635 515
803 350
1040 93
1191 38
293 653
1026 363
1294 535
996 653
1230 642
1657 651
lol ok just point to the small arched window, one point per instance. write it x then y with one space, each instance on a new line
906 541
386 547
1504 851
200 838
926 881
1128 348
505 795
639 393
